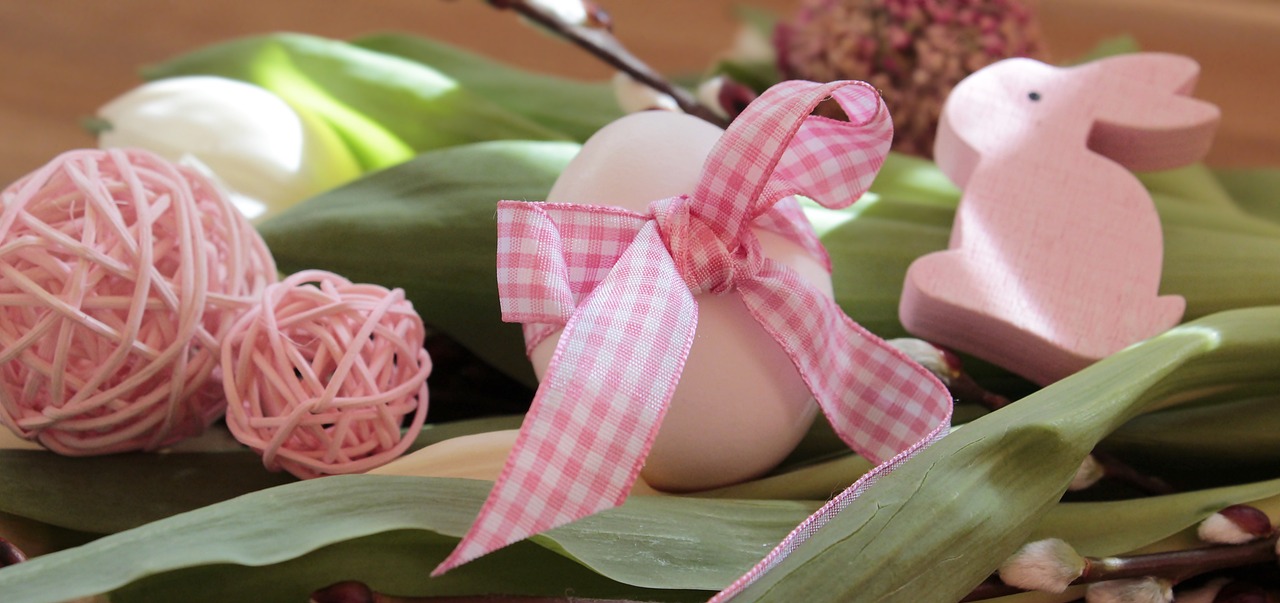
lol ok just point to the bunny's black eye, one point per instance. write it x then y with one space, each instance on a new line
1035 96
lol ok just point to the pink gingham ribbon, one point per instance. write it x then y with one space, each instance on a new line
622 286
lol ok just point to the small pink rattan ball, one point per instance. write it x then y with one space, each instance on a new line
120 273
320 375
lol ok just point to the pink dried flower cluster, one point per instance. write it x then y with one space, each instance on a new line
914 51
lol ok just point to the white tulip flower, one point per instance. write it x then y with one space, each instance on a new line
264 153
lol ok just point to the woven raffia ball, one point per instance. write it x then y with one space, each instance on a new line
120 273
322 373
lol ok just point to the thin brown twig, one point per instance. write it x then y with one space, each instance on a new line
965 389
1175 566
1116 469
602 44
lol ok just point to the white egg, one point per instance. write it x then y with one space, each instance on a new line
740 406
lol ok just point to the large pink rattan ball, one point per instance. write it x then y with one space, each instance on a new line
120 273
320 375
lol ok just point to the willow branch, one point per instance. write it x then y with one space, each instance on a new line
1175 566
602 44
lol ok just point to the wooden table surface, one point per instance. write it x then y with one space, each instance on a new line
61 59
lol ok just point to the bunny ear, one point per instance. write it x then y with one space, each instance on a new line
1144 119
1172 73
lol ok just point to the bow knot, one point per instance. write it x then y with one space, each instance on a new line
705 262
620 287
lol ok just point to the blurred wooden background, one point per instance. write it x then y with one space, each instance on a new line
61 59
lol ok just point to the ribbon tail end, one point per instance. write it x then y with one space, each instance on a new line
468 550
454 560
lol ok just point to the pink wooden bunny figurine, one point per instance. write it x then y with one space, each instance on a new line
1056 251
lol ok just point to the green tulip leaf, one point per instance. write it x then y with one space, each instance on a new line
576 109
1256 190
945 519
1116 527
105 494
1108 47
393 562
915 179
815 481
384 107
677 542
1217 271
1195 181
35 538
1205 443
871 245
389 531
428 226
438 432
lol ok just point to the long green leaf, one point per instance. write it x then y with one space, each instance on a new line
1216 271
1106 48
1256 190
428 226
439 432
1195 181
280 543
1179 211
577 109
917 179
107 494
388 531
385 107
1205 443
816 481
660 542
392 562
1115 527
681 543
871 251
36 538
943 520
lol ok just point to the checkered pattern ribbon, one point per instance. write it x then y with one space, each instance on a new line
621 284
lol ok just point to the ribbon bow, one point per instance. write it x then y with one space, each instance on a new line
622 286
